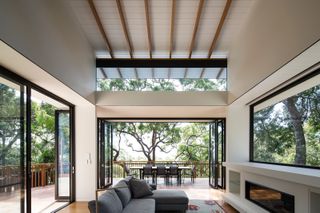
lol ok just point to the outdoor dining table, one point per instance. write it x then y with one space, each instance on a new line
154 168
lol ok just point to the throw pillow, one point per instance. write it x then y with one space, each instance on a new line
139 188
109 202
123 192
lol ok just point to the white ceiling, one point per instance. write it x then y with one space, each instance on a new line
160 16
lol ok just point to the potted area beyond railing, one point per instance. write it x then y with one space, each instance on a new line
42 174
200 168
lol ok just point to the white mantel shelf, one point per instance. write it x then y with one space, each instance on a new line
306 176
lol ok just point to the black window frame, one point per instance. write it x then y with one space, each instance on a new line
251 119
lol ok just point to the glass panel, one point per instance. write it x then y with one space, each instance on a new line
286 130
43 152
105 154
63 125
12 146
161 84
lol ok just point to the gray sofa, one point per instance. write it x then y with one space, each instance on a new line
123 198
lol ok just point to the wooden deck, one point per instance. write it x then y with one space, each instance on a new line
43 200
198 190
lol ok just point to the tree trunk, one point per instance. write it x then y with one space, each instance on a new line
297 123
154 140
115 157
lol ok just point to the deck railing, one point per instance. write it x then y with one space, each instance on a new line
201 168
42 174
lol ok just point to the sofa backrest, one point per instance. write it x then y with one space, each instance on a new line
123 192
108 202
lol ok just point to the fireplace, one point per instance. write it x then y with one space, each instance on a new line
269 199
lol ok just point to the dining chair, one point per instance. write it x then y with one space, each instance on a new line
147 172
162 172
174 172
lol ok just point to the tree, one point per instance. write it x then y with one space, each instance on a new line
195 143
150 137
288 132
10 126
161 84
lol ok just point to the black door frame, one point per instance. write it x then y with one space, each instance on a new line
25 203
214 143
101 145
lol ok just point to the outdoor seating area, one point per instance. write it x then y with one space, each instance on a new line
175 172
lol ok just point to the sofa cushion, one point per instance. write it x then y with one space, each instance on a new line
140 206
123 192
127 179
169 197
139 188
109 202
92 206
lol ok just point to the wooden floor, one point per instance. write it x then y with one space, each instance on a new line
198 190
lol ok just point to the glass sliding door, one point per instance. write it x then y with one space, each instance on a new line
105 137
12 146
63 154
36 147
217 154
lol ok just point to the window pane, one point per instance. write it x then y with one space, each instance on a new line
12 146
287 131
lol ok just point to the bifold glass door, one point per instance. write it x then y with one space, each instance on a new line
105 138
12 146
217 154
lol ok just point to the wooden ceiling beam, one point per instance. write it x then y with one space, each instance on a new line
202 72
195 28
126 32
194 33
220 25
173 14
220 72
103 72
148 26
100 26
124 27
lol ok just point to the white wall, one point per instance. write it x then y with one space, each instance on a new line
276 32
45 32
190 98
85 116
238 136
86 148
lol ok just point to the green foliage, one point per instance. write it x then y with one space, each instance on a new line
275 137
161 84
194 142
42 129
42 133
9 126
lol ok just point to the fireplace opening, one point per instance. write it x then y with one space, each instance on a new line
269 199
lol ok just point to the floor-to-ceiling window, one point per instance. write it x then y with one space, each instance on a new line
36 150
12 146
